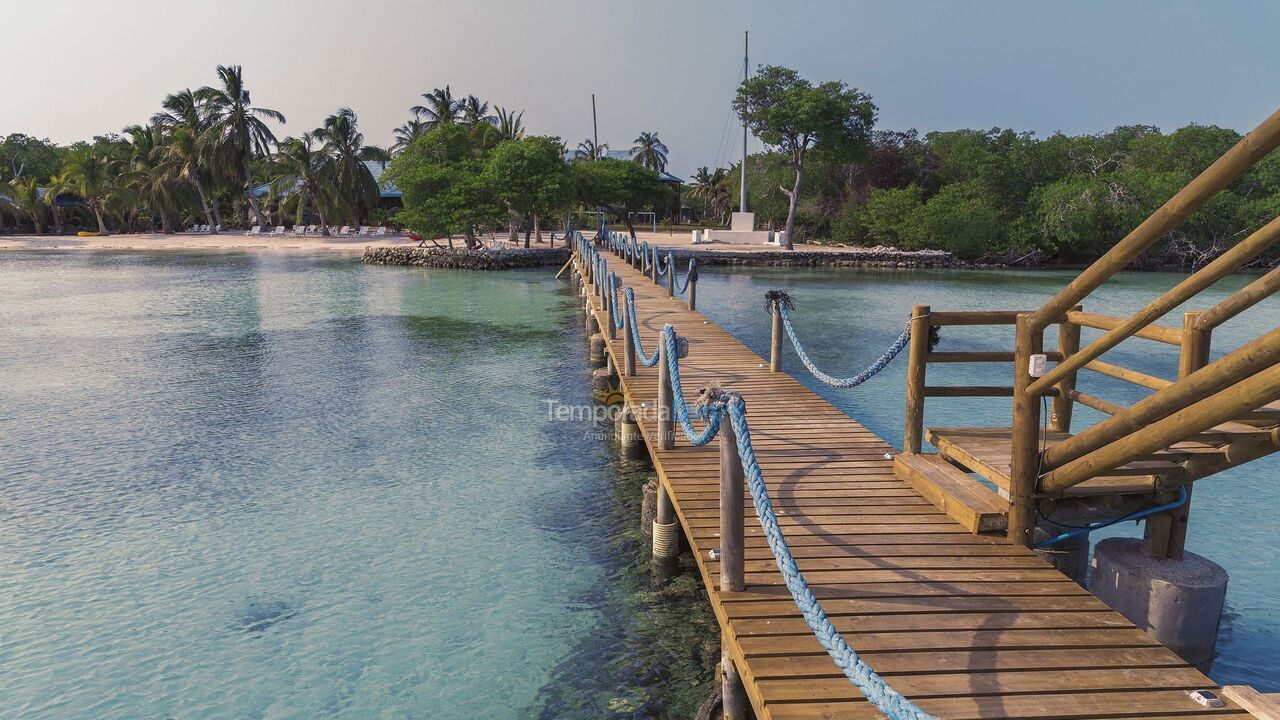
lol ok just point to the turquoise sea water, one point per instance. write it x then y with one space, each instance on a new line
268 486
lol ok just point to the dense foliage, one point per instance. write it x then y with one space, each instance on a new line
1004 195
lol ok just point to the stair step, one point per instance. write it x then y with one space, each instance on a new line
954 492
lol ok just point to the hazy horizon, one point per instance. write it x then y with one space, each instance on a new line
91 68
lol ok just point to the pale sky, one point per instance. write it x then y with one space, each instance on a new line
75 68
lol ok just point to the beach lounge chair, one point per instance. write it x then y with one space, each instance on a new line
299 231
381 231
311 229
255 230
346 229
279 231
364 231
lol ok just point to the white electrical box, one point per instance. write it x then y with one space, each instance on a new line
1037 365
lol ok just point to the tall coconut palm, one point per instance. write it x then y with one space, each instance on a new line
304 172
440 109
146 171
407 133
237 130
510 125
712 188
182 159
181 109
90 174
375 153
24 197
588 150
58 185
649 151
471 110
342 141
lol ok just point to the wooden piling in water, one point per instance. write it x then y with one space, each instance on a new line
775 341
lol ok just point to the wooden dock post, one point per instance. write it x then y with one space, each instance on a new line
653 264
671 274
629 351
693 292
775 340
1025 470
917 363
1172 527
1068 345
666 431
732 542
606 304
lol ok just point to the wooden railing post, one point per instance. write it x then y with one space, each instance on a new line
607 305
671 274
917 363
1025 469
666 431
1068 344
653 264
629 352
775 340
1195 355
732 511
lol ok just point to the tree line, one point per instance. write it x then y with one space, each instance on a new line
828 175
211 157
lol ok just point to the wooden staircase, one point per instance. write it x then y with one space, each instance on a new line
1212 417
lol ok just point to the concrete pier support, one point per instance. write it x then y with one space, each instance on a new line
596 353
1070 556
629 441
592 324
602 382
1178 602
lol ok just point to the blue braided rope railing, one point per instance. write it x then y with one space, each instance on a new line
710 413
872 370
690 275
657 261
644 359
890 702
614 283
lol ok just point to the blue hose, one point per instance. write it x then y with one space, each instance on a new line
1183 496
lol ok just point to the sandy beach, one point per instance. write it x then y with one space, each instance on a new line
234 241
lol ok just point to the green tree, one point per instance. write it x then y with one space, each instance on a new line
182 158
26 156
24 196
90 174
404 135
440 108
531 178
305 173
236 129
618 186
344 143
649 151
510 125
446 189
962 217
790 113
588 150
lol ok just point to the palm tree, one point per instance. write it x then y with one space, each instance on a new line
146 170
408 132
90 175
510 125
713 189
441 108
24 196
305 172
181 109
237 130
588 150
182 159
472 111
375 153
650 152
342 141
59 184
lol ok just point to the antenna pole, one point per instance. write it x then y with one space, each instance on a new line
742 191
595 129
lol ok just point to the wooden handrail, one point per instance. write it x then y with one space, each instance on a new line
1131 376
979 357
1158 333
1224 171
1097 403
976 317
1243 299
1226 263
1217 377
1250 393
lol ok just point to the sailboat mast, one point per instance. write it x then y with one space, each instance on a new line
742 192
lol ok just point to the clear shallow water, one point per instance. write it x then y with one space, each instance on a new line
261 486
847 318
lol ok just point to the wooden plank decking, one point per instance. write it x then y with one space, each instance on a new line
967 626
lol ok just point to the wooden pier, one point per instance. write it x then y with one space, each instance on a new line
965 625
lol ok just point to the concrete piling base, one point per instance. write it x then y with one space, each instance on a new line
603 381
595 352
1178 602
1070 556
628 431
592 325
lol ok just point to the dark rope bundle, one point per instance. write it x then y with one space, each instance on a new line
774 297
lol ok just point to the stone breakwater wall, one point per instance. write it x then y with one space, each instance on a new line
867 257
463 259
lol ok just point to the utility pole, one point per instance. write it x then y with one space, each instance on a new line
595 129
746 71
